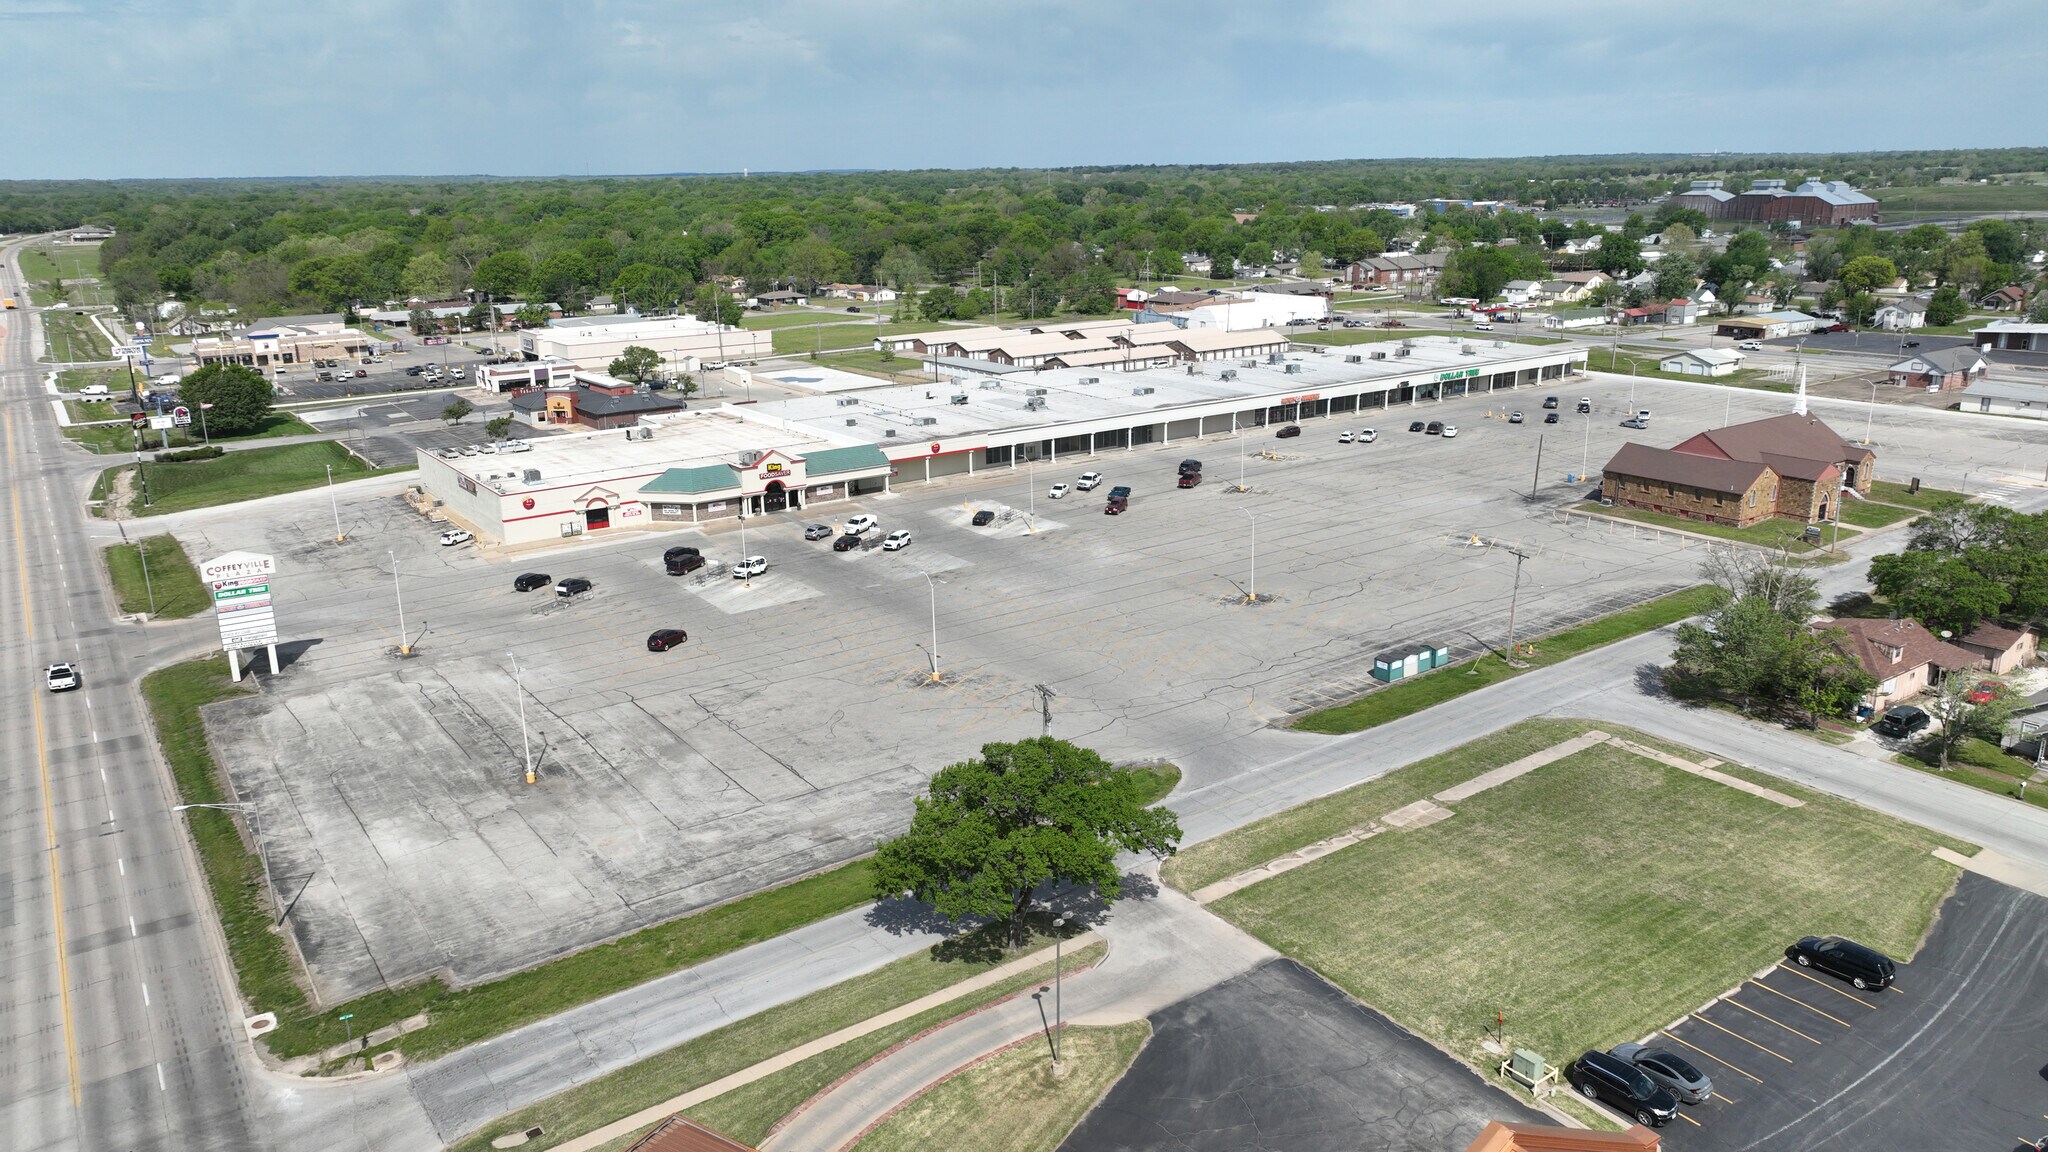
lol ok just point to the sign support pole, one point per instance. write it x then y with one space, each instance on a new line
235 665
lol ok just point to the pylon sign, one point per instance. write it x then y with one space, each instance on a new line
240 582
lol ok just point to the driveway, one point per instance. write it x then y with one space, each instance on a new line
1951 1058
1279 1059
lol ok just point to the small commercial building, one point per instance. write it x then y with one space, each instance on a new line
1767 325
2006 398
1902 314
1944 369
589 400
2011 336
684 344
518 377
1791 466
1702 362
280 340
1569 318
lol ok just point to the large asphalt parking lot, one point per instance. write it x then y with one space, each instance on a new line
791 729
1278 1059
1954 1055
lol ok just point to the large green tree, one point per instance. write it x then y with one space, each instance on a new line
992 831
715 305
1757 650
636 364
237 398
1868 274
501 275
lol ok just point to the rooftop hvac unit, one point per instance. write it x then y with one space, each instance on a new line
888 432
927 420
1467 350
1402 351
850 421
1500 343
1088 380
1274 357
1355 358
1247 363
749 458
846 401
1142 391
1322 349
1294 369
1407 343
960 398
1034 404
1230 374
1034 391
991 383
530 476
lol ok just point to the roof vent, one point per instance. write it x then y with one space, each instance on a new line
927 420
531 476
1228 373
1142 391
888 432
850 421
749 458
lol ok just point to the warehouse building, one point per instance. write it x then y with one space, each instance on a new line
789 454
684 344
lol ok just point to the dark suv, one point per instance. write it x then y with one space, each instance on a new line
1287 431
528 581
1623 1086
682 560
1187 466
1861 966
1901 721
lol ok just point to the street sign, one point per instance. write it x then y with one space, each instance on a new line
162 423
145 341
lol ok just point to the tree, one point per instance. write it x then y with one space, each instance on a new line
498 427
1868 274
239 397
687 385
636 364
426 276
502 275
1956 717
812 261
1313 264
936 304
422 322
992 831
714 305
456 410
1756 648
901 269
1677 275
1946 306
1554 233
1618 255
531 315
1479 271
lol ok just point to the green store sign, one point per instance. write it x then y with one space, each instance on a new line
1457 375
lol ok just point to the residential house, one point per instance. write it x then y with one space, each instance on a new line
1561 292
1588 280
1575 318
1398 269
1791 466
777 298
1520 292
1903 655
1902 314
1941 370
2011 298
2005 647
1702 362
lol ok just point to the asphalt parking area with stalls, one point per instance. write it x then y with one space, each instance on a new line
1951 1056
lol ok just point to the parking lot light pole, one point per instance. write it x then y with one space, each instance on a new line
1870 414
248 810
339 536
519 691
404 649
934 587
1586 450
1252 586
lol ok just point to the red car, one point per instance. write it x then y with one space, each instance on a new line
1984 692
1190 479
1117 506
665 639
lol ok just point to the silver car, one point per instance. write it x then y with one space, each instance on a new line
1669 1070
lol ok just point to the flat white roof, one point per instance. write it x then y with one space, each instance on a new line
627 329
1076 395
683 440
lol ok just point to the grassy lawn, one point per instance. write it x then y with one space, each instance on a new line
798 339
234 874
1623 363
747 1112
906 368
246 475
66 263
87 411
1868 515
171 577
120 438
73 337
1937 199
1511 905
785 319
1012 1102
1410 696
1154 781
1926 499
78 379
1767 533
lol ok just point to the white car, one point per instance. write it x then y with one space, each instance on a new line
455 536
1450 430
1368 436
751 566
1089 481
896 541
1482 326
1751 346
1343 437
1058 491
61 677
860 525
456 373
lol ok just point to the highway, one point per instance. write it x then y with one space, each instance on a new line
115 1029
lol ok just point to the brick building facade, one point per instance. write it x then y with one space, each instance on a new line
1790 467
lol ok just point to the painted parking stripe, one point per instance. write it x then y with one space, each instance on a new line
1711 1056
1804 1004
1761 1016
1690 1120
1738 1036
1726 1099
1825 984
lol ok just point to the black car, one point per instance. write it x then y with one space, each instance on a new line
1415 425
1434 428
1861 966
528 581
413 371
817 531
1901 722
1186 466
984 518
1287 431
573 586
1599 1076
1550 417
846 543
664 639
1123 491
1672 1072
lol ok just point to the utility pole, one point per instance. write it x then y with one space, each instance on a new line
1513 599
1045 695
1538 476
404 649
519 691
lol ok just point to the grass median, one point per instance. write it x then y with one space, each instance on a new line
73 337
1774 533
246 475
1407 697
1012 1101
72 262
1593 899
747 1112
108 439
167 586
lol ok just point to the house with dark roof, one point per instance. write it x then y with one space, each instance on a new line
1943 368
2011 298
2005 647
1903 655
1792 466
592 405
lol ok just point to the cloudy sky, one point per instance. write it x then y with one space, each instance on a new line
153 88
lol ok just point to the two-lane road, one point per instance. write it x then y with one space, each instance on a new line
115 1032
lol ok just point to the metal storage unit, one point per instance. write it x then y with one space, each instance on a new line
1400 663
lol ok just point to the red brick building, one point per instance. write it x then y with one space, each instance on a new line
1792 466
